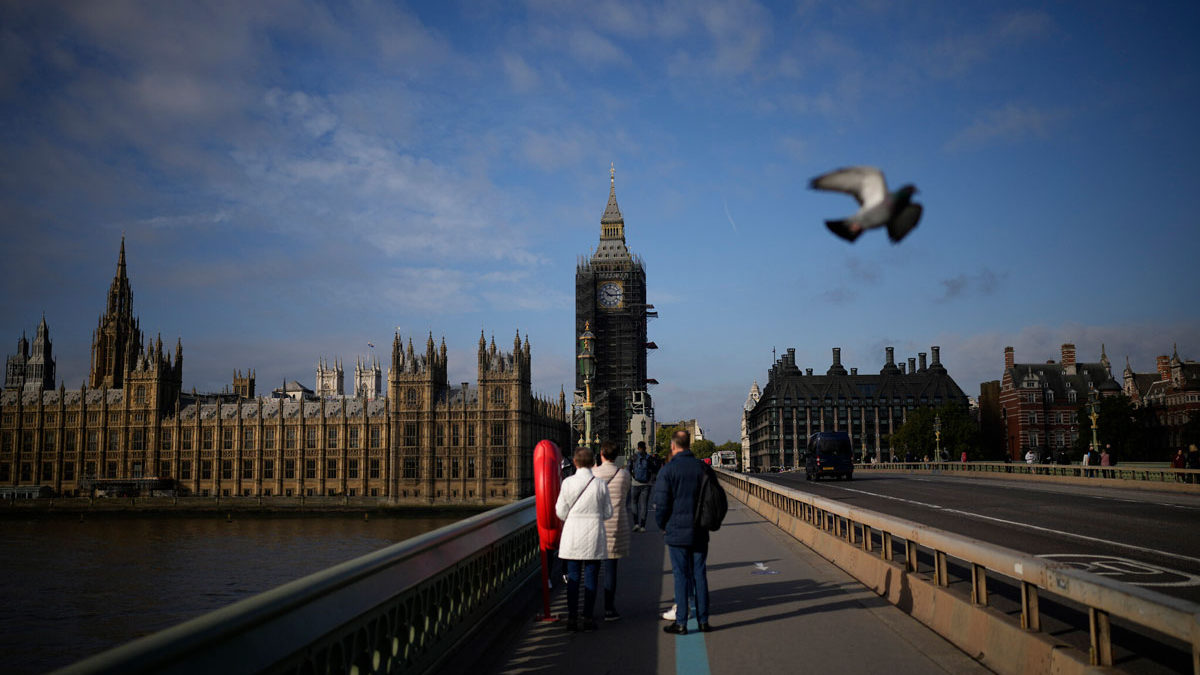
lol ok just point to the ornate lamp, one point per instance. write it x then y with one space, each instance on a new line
587 370
937 434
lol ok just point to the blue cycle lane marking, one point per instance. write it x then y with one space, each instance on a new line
691 653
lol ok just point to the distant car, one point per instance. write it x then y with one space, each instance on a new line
829 453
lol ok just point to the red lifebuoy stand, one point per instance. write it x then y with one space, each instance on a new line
547 480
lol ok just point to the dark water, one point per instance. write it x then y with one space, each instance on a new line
72 589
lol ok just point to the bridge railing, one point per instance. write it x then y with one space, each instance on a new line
1102 597
401 609
1120 472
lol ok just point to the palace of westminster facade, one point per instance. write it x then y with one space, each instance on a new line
422 442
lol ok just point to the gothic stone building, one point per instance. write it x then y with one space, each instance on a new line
1039 401
796 403
610 301
425 442
1171 393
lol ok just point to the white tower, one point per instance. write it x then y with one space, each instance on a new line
368 379
751 401
330 381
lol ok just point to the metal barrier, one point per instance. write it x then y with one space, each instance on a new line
400 609
1121 472
1102 597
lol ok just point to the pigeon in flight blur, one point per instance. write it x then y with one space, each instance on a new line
877 207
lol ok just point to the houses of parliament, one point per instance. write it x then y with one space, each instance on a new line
423 441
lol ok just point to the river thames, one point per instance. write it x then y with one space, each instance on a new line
72 589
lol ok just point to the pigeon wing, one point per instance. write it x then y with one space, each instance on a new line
864 183
904 222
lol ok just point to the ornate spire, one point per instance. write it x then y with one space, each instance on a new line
612 222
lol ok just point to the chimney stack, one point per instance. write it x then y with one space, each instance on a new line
937 355
1164 367
1009 359
808 371
901 368
854 371
1068 358
837 356
912 365
791 356
891 356
923 365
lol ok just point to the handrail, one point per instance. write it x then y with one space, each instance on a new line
401 607
1121 472
1103 597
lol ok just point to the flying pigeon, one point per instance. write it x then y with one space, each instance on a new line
877 207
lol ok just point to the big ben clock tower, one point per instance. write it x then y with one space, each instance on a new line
610 300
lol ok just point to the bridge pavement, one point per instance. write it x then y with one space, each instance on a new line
776 607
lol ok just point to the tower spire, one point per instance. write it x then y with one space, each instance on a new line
612 223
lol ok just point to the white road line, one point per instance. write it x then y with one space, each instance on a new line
1084 537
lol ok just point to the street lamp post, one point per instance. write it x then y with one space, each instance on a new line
937 435
587 370
1095 418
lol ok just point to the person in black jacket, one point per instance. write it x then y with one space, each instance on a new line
675 496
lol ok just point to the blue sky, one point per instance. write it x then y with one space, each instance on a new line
296 179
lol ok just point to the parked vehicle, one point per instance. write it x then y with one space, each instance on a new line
725 459
829 453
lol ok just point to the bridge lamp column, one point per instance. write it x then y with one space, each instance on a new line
587 371
1094 416
937 435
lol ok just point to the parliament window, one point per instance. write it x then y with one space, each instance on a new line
248 438
164 469
139 394
114 440
268 470
6 442
247 469
289 468
410 467
352 438
470 435
268 439
498 396
166 439
470 467
411 437
137 439
454 468
289 438
68 471
47 471
185 469
111 471
441 435
454 439
206 436
206 469
310 468
331 435
331 468
27 471
375 436
352 468
48 440
310 437
498 467
497 433
185 439
438 467
5 472
410 396
227 469
27 441
374 468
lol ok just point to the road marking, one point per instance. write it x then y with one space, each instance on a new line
1125 570
1052 491
691 653
1083 537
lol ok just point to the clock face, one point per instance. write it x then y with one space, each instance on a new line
611 295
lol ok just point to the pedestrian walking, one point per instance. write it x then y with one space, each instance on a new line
1087 461
617 527
642 469
675 497
1193 461
1179 461
1105 462
963 460
583 506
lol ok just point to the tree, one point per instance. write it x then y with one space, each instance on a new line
959 433
703 448
1126 428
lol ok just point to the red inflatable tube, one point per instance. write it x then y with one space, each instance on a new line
547 480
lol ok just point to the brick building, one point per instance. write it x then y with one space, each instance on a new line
1039 401
425 442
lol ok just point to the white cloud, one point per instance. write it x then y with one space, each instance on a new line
1011 123
520 75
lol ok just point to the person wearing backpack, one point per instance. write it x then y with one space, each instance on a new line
675 499
641 468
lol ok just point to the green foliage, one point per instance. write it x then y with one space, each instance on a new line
703 448
1126 428
959 433
662 441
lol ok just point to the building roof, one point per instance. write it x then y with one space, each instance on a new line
1055 378
786 381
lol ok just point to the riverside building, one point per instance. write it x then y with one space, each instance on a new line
795 404
131 426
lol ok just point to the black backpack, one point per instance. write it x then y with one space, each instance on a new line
711 504
641 468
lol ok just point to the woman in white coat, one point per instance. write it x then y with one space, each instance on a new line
583 506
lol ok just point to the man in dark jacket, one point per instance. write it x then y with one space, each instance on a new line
675 496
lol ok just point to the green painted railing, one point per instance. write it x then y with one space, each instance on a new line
402 609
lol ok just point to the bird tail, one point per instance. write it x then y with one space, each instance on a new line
842 229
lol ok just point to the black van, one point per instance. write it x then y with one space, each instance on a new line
829 454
